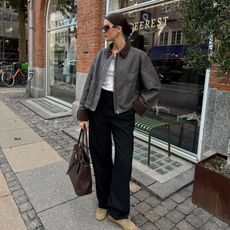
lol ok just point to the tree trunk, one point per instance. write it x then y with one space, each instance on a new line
22 33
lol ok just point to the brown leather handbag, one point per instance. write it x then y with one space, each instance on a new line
79 167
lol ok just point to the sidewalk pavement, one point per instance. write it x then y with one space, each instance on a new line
35 192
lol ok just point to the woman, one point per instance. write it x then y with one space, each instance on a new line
121 81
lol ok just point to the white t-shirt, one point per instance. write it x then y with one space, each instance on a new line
109 79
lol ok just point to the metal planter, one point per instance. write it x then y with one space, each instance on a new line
211 191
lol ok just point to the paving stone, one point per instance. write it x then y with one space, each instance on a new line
186 207
164 190
219 222
189 188
6 170
67 216
5 165
51 190
15 188
134 201
142 195
4 190
178 198
152 216
164 223
175 216
186 193
143 207
13 123
13 183
210 225
19 193
139 219
10 176
184 225
10 217
31 156
195 220
134 187
40 228
21 199
25 217
25 207
169 204
153 201
32 214
160 210
34 224
142 178
3 160
202 214
18 137
148 226
133 212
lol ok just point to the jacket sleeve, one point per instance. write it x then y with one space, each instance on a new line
82 113
150 83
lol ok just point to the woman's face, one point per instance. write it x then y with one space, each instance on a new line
110 31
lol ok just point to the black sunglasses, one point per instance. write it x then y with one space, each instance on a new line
105 28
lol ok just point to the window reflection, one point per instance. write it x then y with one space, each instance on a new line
158 32
61 75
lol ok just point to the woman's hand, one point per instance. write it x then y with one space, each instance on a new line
84 124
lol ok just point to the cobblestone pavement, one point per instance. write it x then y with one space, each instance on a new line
147 211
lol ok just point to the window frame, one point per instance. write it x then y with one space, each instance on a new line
58 29
143 5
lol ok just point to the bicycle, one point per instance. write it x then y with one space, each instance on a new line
16 71
5 70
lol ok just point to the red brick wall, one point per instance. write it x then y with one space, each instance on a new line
89 34
90 39
39 47
219 82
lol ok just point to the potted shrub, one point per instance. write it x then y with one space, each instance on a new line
208 22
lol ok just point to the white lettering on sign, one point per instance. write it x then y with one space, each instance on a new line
150 24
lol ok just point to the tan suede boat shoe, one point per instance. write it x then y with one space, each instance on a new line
125 224
101 213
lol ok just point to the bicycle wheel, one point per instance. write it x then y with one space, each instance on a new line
7 81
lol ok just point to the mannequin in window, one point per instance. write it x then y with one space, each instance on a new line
69 65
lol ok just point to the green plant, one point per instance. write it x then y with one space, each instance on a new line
207 22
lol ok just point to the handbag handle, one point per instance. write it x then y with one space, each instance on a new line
83 139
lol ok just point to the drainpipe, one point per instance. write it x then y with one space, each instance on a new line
30 48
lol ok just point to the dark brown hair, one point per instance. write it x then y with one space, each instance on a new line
118 19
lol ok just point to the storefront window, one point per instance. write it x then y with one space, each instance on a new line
119 4
61 33
158 32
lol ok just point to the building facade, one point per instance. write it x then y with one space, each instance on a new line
66 39
9 27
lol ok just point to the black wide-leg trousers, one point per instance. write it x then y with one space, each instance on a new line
112 178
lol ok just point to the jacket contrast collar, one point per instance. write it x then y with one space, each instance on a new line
124 52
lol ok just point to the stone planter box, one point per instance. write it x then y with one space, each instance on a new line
211 191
